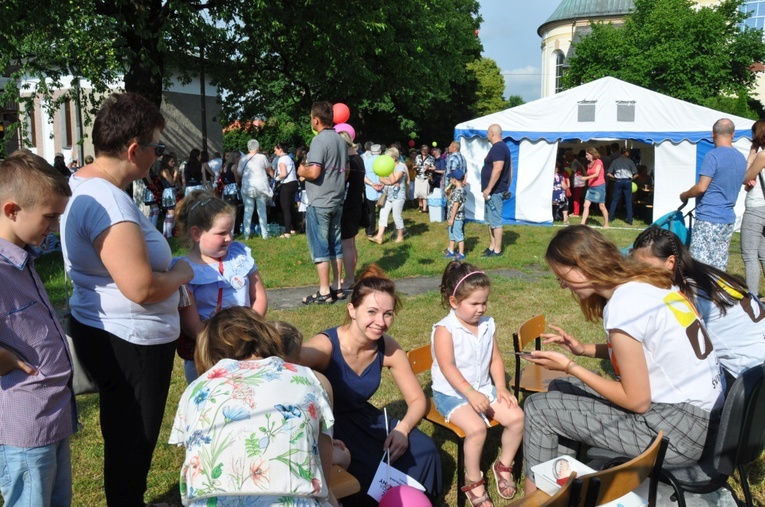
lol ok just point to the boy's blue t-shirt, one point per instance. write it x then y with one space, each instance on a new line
727 167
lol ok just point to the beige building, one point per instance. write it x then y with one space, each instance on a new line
570 22
62 130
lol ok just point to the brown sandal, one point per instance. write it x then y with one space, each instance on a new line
504 485
476 501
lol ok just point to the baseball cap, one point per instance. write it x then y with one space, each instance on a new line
457 174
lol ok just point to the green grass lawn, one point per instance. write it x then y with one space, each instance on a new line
285 262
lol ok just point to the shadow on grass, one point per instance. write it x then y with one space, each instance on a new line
172 496
393 256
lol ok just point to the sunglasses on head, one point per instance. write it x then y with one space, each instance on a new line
159 148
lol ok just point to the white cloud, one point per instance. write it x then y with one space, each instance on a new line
524 81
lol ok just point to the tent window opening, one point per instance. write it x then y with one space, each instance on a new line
625 110
586 111
559 71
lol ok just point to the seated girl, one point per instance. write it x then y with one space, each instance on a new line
669 376
733 316
257 430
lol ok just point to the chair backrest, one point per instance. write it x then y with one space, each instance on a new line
741 434
618 481
420 359
568 492
528 332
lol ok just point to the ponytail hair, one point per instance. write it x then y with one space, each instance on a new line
689 274
373 279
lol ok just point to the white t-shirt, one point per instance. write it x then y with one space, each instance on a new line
682 365
254 172
738 336
215 165
472 355
95 206
289 166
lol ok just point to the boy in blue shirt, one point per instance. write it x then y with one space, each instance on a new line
455 207
37 407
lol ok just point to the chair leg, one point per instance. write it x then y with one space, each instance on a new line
745 486
678 496
460 472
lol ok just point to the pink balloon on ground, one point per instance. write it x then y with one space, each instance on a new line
404 496
344 127
341 113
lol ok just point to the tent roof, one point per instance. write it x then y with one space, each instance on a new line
656 117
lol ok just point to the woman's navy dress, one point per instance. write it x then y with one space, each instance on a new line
361 426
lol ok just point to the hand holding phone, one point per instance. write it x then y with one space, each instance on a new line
524 355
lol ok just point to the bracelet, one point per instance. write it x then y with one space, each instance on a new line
570 362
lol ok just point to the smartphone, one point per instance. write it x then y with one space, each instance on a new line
524 355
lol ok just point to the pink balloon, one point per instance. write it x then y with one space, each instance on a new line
404 496
341 113
344 127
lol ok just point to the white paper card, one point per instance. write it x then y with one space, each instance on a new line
548 474
388 477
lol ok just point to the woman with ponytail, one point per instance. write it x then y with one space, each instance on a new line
352 356
734 317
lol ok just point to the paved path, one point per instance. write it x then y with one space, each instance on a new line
290 298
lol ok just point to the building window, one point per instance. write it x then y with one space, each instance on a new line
558 71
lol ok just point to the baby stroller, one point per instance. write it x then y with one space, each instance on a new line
674 221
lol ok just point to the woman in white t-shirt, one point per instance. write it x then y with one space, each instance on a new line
733 316
753 221
668 374
254 170
287 190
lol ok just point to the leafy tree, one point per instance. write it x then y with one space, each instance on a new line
515 100
491 86
675 48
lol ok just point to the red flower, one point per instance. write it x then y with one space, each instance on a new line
217 373
312 410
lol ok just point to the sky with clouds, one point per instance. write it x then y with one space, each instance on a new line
509 37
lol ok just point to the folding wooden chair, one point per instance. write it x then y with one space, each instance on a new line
568 493
421 360
531 377
342 483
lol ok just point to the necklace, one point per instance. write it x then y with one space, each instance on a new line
107 173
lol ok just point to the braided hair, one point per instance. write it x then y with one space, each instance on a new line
693 277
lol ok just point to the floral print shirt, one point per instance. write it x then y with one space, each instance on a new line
251 432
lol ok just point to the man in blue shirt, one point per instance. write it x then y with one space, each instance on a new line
720 179
495 187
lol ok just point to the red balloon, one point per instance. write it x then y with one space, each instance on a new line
341 113
476 32
411 143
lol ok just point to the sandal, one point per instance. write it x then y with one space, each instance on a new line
342 294
317 298
505 487
475 500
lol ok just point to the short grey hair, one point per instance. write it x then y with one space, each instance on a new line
253 145
724 127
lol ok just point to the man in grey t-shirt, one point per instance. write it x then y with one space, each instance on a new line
325 173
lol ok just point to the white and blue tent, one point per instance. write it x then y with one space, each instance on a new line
673 136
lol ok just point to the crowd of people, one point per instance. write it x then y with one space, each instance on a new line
265 415
591 176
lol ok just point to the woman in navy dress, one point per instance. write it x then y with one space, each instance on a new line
352 357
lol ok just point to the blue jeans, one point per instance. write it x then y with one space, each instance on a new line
456 231
493 210
249 207
36 476
622 187
322 227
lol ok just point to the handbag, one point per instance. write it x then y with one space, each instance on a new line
383 198
82 381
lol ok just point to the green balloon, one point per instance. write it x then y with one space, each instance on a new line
634 187
383 165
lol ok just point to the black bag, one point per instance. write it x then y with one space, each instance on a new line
82 381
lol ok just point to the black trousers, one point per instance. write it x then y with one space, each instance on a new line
134 381
287 202
370 211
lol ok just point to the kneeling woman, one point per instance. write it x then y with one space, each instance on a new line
257 430
669 376
352 357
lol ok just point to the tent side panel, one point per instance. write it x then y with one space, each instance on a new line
533 182
675 172
474 149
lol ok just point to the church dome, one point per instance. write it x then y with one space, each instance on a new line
572 10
